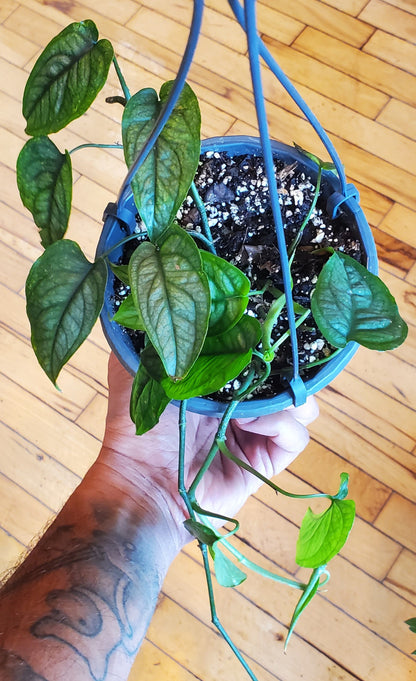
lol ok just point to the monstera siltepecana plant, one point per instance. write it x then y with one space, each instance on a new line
205 326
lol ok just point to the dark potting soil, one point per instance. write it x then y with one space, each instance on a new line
234 190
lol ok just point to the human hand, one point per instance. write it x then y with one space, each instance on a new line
268 444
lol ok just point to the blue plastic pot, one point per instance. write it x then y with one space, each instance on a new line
122 221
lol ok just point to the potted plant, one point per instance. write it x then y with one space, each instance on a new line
206 332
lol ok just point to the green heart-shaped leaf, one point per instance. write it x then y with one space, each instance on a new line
128 315
163 180
66 78
352 304
171 292
208 374
64 294
229 289
242 337
226 572
147 402
323 535
221 360
44 179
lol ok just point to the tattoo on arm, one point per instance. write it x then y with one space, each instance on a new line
113 583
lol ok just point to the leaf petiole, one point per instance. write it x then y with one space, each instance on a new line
120 76
95 146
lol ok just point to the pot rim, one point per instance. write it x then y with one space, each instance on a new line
119 340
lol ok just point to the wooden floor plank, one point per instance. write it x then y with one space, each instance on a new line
402 576
399 116
377 72
390 19
400 222
398 519
328 81
10 552
327 19
396 51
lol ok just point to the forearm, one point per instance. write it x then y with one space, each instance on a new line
79 605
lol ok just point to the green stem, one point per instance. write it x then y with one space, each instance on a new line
214 617
96 146
274 311
181 461
120 76
224 450
185 496
203 238
200 205
317 362
286 334
214 448
244 391
298 236
211 514
119 243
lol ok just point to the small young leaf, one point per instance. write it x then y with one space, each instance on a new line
208 374
163 180
304 600
172 293
148 401
44 179
66 78
322 536
64 294
343 487
352 304
128 315
226 572
229 289
325 165
121 272
201 532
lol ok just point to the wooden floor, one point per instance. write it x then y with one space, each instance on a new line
355 63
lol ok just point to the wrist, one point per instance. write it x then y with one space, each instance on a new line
138 490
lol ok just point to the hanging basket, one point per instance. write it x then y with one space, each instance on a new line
122 221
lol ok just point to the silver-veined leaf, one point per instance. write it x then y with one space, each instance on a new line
163 180
66 78
171 292
352 304
64 296
44 179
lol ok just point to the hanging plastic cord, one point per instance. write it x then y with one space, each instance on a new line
172 99
296 383
241 17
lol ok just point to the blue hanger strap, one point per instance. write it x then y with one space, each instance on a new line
173 97
297 98
351 198
254 57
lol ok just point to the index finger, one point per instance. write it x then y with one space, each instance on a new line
304 414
